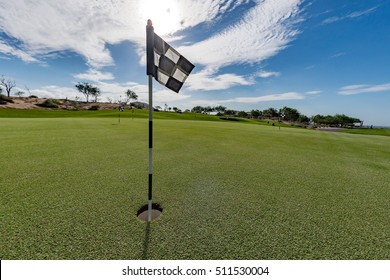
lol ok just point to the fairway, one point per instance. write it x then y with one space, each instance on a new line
70 189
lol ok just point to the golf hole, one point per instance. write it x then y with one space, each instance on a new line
142 213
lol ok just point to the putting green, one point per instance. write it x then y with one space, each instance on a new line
70 189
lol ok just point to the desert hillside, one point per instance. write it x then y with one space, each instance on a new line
48 103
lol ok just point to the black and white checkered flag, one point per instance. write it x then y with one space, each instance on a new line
165 64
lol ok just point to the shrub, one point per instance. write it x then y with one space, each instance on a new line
5 99
94 108
49 103
33 96
230 119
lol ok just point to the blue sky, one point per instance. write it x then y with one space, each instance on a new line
320 57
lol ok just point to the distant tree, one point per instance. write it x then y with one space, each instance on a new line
220 109
158 108
230 113
19 93
208 109
197 109
165 107
270 113
87 89
28 90
290 114
256 114
176 109
337 120
1 90
242 114
329 120
344 120
131 95
169 109
95 92
303 119
7 84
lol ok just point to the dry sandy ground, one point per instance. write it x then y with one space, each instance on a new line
30 103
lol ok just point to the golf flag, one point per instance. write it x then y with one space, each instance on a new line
164 63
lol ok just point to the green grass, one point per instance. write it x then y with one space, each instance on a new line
137 113
368 131
70 188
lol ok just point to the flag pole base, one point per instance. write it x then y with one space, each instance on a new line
144 212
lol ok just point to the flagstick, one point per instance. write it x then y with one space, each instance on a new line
149 71
150 147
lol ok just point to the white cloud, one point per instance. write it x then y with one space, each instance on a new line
310 67
332 20
264 31
9 50
361 13
166 96
352 15
53 91
338 54
85 27
94 75
313 92
255 99
116 91
356 89
265 74
271 97
208 80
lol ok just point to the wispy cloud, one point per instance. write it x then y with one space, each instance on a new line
352 15
86 27
10 50
112 91
310 67
362 13
313 92
338 54
356 89
209 80
53 91
255 99
116 91
265 74
95 75
264 31
266 98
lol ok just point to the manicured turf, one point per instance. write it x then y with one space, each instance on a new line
136 113
368 131
70 188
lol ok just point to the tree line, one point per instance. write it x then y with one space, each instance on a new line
286 114
283 114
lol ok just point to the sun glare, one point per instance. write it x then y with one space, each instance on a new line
163 13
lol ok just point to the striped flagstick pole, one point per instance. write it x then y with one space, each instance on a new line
150 179
150 71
